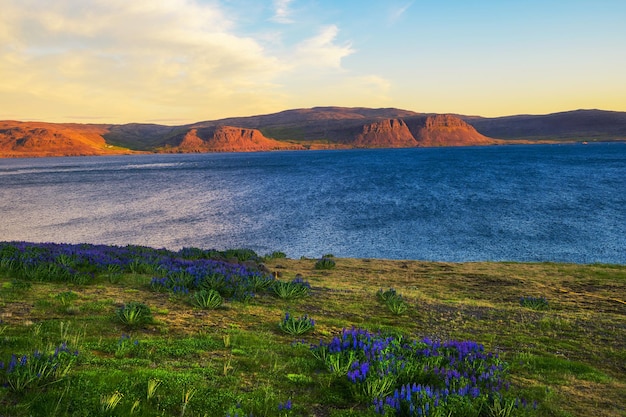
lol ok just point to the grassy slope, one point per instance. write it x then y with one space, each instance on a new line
571 357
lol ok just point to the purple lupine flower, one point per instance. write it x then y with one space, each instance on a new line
12 364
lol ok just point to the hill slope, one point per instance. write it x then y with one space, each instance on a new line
50 139
592 125
314 128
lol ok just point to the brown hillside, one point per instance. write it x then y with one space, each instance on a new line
587 125
311 115
35 139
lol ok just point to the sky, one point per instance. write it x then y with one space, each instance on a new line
181 61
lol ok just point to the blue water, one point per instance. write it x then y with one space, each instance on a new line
523 203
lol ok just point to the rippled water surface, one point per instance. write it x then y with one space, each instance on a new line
521 203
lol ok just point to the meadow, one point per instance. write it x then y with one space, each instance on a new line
115 331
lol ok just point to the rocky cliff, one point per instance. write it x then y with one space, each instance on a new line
446 130
390 133
224 139
423 131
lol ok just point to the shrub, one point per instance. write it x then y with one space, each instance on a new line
114 273
260 282
241 255
108 402
288 290
276 255
19 285
66 298
396 305
386 294
209 299
325 263
296 326
394 301
134 314
126 346
534 303
24 372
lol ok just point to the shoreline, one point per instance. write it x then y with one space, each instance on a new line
505 142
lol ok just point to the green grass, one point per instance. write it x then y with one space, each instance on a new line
570 358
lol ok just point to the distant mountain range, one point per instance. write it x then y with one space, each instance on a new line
315 128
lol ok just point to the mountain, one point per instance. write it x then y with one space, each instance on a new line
587 125
314 128
223 139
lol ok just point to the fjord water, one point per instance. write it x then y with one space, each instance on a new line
563 203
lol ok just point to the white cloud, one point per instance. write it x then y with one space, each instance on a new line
282 12
397 12
144 55
321 50
123 61
376 84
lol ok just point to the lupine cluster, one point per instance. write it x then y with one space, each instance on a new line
414 378
325 263
296 325
534 303
289 290
23 371
181 272
126 345
79 263
285 406
230 280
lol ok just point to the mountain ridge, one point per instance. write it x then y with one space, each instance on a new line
326 127
581 124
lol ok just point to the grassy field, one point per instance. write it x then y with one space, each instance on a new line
566 354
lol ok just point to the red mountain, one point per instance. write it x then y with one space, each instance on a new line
224 139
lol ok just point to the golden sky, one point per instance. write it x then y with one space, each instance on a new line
181 61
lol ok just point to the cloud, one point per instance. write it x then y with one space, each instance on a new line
397 12
282 11
146 56
140 60
321 50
